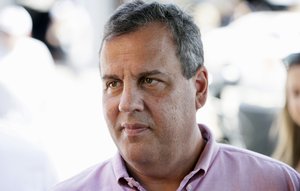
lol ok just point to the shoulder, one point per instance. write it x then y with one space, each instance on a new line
249 158
89 178
256 165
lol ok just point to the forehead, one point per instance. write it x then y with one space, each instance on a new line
149 44
293 76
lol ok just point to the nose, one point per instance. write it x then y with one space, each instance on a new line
131 100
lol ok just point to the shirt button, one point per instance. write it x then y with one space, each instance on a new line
189 187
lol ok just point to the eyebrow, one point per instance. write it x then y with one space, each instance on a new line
147 73
105 77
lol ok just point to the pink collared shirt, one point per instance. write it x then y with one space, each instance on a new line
220 167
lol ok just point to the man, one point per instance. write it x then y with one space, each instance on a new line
154 81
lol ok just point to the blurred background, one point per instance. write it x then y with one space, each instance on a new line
51 89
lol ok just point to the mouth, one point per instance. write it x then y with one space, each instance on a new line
134 129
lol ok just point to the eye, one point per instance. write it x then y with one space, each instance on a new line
149 81
113 84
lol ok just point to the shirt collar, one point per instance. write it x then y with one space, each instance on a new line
121 174
209 152
119 167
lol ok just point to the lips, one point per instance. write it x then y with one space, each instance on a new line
134 129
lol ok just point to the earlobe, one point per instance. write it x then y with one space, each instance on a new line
201 84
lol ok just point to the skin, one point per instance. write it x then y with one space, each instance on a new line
150 107
293 92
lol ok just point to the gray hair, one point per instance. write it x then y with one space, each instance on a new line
129 17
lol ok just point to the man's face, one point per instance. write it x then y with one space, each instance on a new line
148 105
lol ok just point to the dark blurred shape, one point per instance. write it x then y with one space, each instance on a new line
26 67
41 21
255 124
263 5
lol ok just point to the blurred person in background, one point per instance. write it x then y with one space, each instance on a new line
245 76
27 72
154 82
26 66
41 20
288 124
66 29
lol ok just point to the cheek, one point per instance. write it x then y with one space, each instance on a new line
110 110
173 118
176 109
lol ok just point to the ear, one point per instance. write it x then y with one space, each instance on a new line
201 84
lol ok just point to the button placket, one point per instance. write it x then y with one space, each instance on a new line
134 184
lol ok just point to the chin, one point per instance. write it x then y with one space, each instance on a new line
138 156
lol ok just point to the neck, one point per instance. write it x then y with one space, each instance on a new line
167 175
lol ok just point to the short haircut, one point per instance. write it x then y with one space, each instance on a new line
131 16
